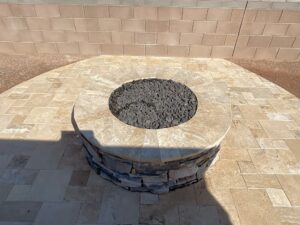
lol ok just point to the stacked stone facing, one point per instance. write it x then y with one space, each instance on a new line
148 177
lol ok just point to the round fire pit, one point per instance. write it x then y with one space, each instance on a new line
151 126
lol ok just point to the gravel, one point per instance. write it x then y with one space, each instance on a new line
153 103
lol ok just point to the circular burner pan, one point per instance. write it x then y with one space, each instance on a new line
153 103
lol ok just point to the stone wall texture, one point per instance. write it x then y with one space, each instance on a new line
235 29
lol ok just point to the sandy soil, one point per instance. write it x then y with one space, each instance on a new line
16 69
285 74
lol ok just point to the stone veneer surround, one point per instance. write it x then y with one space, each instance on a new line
225 29
155 160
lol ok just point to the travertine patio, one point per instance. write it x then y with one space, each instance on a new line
45 179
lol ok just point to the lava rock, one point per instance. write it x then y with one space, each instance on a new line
153 103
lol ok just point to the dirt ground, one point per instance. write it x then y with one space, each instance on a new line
285 74
16 69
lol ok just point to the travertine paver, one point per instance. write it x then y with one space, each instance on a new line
259 154
278 197
63 213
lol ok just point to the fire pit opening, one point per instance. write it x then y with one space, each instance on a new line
153 103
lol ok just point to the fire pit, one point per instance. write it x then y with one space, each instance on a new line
151 127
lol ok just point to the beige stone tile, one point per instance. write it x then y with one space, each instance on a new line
252 112
41 115
288 215
240 136
277 129
278 197
261 181
291 186
225 174
272 161
234 154
247 167
294 146
267 143
254 207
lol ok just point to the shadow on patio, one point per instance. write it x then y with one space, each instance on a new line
50 181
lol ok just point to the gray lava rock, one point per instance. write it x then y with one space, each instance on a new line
153 103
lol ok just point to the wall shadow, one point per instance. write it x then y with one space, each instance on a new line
192 205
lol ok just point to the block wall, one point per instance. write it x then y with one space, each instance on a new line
247 30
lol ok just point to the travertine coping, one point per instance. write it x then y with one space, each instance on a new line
103 130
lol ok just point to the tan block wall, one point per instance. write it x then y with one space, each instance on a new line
225 32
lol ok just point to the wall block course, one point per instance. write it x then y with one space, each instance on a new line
100 37
111 49
45 10
244 52
89 49
213 39
62 24
181 26
149 13
5 10
168 38
68 48
191 39
7 48
86 24
95 11
169 13
157 26
200 51
288 54
122 37
264 30
133 25
275 29
145 38
14 23
205 26
268 16
266 53
122 12
221 14
290 16
194 14
22 10
46 48
157 50
259 41
71 11
222 51
228 27
251 28
178 51
283 42
24 48
109 24
35 23
134 50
